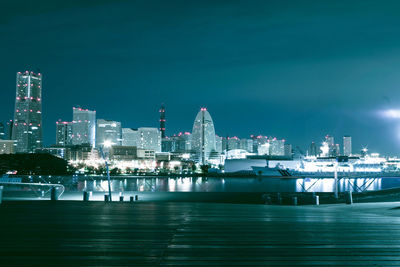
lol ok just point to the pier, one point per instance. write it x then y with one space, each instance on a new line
76 233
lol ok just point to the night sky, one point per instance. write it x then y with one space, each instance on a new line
293 69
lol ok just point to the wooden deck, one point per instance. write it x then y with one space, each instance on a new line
72 233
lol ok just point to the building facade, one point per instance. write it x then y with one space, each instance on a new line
27 125
7 147
149 139
108 131
63 133
347 149
203 137
84 127
130 137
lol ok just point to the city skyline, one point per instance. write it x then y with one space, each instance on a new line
262 69
68 133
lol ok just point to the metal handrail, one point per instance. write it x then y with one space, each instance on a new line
60 187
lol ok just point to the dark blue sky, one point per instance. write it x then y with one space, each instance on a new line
293 69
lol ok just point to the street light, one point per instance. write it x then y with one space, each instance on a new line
107 144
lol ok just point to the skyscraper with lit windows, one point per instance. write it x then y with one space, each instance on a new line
27 125
347 145
83 127
203 136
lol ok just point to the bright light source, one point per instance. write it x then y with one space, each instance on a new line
391 113
107 143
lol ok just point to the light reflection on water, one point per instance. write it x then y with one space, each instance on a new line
201 184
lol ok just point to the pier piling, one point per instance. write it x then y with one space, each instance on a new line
53 194
295 201
86 196
349 198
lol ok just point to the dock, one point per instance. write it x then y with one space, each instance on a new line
75 233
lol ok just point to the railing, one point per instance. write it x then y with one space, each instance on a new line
30 191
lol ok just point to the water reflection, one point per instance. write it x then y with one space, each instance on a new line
201 184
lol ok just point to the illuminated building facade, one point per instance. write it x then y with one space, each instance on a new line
7 147
246 144
130 137
27 127
347 145
84 127
63 133
2 131
108 131
149 139
203 137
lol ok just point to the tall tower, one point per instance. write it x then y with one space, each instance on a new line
162 121
203 136
347 145
27 128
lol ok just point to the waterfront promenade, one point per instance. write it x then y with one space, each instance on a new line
73 233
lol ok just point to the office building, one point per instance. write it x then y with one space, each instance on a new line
27 127
277 147
63 133
347 145
313 150
130 137
149 139
108 132
84 127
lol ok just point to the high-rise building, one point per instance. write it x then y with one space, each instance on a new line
288 150
149 139
2 131
10 125
330 141
203 136
233 143
277 147
162 121
347 145
246 144
313 150
130 137
27 128
108 132
219 144
63 133
83 127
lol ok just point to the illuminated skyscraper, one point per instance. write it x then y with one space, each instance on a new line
347 145
27 128
83 127
203 136
162 121
277 147
63 133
